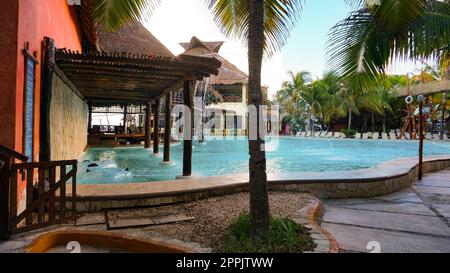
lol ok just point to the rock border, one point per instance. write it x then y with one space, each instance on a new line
310 217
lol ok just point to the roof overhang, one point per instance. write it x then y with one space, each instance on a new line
118 78
424 88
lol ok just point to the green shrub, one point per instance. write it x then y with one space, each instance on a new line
349 133
283 236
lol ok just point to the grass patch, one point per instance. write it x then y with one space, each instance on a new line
283 236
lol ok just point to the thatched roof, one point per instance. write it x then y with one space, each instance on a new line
425 88
132 38
228 73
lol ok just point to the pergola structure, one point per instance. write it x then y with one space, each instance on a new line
428 88
106 79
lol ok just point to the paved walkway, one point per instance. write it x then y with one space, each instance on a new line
416 219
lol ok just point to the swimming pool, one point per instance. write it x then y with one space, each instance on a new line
223 157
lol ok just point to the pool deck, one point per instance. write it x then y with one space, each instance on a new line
388 177
414 220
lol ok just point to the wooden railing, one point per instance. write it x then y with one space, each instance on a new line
44 193
7 158
46 200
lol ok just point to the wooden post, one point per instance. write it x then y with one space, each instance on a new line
148 118
168 127
125 113
443 125
156 127
421 128
90 117
187 143
48 63
5 220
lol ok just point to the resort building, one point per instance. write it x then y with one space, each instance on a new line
232 85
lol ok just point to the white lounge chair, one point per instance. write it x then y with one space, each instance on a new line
308 134
437 136
384 136
407 135
392 135
337 135
317 134
376 135
428 136
329 135
365 136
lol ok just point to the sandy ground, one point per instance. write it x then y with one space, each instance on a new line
214 215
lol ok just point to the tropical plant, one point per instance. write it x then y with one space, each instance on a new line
363 44
264 25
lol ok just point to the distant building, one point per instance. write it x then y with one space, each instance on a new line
231 83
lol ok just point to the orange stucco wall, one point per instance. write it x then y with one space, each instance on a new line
22 22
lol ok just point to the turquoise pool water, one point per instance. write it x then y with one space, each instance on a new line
222 157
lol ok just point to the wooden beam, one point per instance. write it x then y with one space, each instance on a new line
187 142
156 127
48 63
90 117
148 117
168 127
125 114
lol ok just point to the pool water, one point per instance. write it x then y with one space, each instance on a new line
222 157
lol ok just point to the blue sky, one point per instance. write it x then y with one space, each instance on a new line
307 45
177 21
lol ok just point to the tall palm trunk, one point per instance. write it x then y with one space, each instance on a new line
373 121
259 201
384 122
349 118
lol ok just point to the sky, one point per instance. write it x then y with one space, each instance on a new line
176 21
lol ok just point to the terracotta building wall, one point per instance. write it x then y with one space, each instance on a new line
8 66
25 22
39 19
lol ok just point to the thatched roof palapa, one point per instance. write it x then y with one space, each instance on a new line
229 74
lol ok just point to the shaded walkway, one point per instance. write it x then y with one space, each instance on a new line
416 219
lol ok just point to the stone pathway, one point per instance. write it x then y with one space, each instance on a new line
416 219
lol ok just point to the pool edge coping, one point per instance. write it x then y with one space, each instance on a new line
103 192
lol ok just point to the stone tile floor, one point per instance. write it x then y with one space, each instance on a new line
415 220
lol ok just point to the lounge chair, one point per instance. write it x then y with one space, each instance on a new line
317 134
437 136
365 136
429 136
376 135
329 135
445 137
384 136
308 134
337 135
392 135
298 134
407 135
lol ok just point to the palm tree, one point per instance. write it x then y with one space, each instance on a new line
265 26
290 96
316 95
363 44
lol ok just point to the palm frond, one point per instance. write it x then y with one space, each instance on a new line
280 17
113 14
